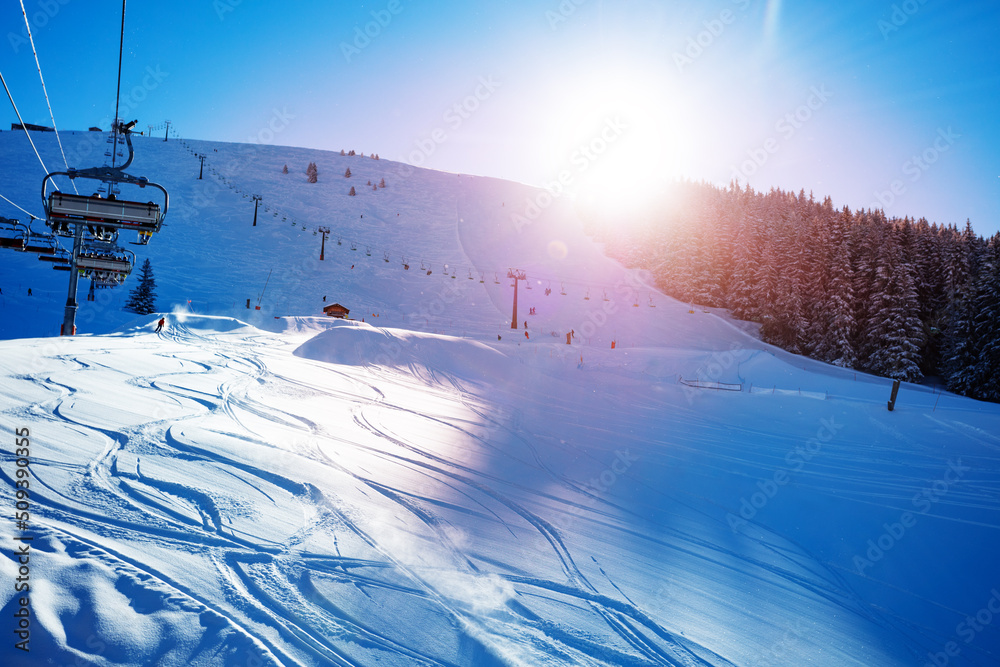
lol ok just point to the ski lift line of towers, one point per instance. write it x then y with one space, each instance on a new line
425 267
93 222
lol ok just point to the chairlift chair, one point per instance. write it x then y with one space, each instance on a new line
13 234
63 209
105 266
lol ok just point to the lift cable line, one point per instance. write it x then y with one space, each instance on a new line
11 98
45 91
118 92
33 216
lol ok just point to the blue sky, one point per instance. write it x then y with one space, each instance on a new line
888 104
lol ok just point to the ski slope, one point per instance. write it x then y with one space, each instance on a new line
272 487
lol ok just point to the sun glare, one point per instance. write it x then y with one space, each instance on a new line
617 141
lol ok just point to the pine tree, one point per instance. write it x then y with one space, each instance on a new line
347 174
381 183
284 170
312 172
352 192
342 152
142 298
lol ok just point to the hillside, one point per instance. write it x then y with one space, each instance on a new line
273 487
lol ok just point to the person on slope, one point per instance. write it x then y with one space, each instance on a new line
159 325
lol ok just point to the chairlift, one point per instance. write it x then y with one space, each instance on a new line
562 288
470 274
339 241
63 209
496 278
354 246
385 257
422 267
651 304
586 297
606 295
482 277
315 233
13 234
368 251
105 265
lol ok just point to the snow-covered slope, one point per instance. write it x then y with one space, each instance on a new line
270 487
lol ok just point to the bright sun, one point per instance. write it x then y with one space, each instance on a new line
618 140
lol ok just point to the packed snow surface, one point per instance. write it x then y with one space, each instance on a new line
432 487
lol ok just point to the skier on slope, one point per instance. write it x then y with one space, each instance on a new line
159 325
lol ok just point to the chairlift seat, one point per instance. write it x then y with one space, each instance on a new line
110 264
65 207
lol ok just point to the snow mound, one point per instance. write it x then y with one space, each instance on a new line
358 344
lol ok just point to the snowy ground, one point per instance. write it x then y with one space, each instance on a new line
268 487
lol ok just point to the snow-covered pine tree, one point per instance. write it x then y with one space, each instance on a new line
312 172
894 335
347 174
975 355
381 183
342 152
142 298
284 170
352 192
